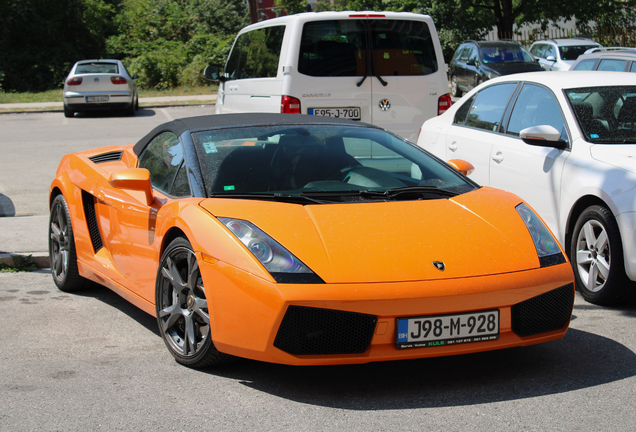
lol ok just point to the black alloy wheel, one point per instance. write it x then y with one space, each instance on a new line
182 308
62 248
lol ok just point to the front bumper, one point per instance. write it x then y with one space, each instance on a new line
247 314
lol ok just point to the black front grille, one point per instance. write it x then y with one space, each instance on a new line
547 312
91 220
306 330
107 157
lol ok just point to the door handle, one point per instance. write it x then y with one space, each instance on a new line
453 146
498 157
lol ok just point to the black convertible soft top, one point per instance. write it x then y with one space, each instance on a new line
180 126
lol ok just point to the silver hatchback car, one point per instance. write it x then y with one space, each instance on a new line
99 85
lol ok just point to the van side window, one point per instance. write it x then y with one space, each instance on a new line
255 54
339 48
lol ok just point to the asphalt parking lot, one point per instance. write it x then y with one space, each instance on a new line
91 361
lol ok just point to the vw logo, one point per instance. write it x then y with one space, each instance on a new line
384 104
439 265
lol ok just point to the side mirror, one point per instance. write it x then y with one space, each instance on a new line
551 58
462 166
470 62
213 73
137 179
543 136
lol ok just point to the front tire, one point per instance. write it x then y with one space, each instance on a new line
455 91
182 308
596 253
62 248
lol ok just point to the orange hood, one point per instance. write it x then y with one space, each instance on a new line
478 233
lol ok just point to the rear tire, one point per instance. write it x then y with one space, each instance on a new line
68 112
182 308
62 248
596 253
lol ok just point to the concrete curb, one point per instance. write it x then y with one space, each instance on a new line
41 259
141 107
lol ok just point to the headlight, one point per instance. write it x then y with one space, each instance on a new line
275 258
546 245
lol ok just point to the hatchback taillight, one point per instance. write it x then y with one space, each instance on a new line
118 80
74 81
289 105
443 103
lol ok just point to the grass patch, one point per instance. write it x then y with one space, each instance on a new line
21 263
47 96
56 95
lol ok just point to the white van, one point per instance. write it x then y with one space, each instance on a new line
316 63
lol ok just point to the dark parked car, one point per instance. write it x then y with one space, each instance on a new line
475 62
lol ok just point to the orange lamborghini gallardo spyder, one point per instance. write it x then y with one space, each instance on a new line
305 240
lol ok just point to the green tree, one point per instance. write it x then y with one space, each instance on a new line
41 39
292 6
169 42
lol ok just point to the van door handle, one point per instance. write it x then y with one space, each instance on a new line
453 146
498 157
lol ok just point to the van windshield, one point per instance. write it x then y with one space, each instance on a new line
340 47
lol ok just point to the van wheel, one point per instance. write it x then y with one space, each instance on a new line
455 91
596 253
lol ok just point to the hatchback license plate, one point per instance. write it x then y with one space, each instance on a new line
96 98
347 113
429 331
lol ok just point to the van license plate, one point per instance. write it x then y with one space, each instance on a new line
429 331
347 113
96 98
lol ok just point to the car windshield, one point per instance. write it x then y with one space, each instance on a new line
504 53
91 68
573 52
605 114
321 163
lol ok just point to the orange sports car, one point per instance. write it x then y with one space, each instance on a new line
305 240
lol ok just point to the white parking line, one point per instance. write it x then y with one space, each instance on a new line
165 112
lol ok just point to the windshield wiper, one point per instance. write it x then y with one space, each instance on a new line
295 199
416 192
370 60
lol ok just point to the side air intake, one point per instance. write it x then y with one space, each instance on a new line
91 220
107 157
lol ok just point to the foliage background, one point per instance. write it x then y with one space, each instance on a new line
167 43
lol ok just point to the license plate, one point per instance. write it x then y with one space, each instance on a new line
96 98
347 113
429 331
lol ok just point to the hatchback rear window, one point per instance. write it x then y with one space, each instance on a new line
91 68
339 48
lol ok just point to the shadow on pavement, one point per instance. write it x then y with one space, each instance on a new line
580 360
141 112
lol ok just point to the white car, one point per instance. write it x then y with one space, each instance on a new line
566 143
99 85
560 54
